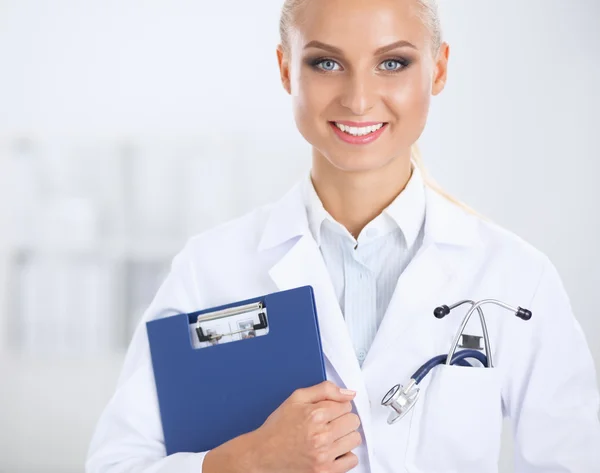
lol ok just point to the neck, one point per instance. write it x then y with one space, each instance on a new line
354 198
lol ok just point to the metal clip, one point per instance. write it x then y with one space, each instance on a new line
220 314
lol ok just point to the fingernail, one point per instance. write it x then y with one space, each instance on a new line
347 392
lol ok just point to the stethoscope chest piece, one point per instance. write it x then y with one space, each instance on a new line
401 399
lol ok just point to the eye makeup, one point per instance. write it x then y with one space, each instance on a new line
316 63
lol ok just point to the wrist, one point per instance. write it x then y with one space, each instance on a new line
249 452
239 455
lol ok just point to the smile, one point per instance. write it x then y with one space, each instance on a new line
358 133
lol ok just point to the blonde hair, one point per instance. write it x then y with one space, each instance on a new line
428 13
432 183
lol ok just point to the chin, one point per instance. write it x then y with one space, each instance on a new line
355 162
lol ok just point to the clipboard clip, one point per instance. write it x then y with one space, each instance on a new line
220 314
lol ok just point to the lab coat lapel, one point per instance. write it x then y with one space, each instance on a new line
432 278
418 287
303 265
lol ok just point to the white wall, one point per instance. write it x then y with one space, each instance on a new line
514 135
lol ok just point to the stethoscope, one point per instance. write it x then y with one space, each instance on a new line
401 399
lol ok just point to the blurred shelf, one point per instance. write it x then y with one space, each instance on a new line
142 249
94 225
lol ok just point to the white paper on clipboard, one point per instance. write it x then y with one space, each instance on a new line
242 323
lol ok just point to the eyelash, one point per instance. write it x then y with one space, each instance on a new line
402 61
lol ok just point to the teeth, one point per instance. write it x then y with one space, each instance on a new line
358 131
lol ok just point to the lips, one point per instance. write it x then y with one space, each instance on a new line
358 133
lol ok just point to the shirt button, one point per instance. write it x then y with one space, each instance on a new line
361 355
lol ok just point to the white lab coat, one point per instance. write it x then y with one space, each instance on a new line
544 378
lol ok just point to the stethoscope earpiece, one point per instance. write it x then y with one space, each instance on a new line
441 311
523 313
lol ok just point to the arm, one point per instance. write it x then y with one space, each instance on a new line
553 396
129 436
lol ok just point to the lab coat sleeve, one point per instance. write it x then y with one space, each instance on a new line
554 399
128 436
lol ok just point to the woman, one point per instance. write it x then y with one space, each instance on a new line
381 248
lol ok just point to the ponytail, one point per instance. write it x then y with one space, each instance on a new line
430 182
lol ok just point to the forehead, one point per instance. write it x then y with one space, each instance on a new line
352 24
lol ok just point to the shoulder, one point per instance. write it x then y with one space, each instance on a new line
516 261
238 235
495 254
247 235
507 244
511 268
450 222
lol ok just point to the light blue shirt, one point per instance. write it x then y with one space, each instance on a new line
364 271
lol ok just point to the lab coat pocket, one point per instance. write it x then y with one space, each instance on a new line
457 423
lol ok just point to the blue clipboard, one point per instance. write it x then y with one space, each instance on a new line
208 396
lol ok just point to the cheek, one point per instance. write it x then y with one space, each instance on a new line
311 98
409 103
411 97
314 93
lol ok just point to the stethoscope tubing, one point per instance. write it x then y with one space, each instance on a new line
459 359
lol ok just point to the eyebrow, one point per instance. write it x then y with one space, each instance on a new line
378 51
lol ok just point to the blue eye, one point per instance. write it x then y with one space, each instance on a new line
326 64
392 65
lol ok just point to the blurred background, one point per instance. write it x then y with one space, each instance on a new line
126 126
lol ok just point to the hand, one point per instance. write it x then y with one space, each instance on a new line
313 431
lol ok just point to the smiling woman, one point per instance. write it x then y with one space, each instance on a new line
381 250
405 71
426 11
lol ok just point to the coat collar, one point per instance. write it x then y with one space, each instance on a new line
406 212
286 220
446 223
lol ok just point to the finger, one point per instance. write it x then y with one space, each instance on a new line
322 392
346 444
344 425
345 463
327 411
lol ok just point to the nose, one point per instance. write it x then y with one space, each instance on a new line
359 94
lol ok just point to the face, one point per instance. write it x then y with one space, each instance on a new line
361 75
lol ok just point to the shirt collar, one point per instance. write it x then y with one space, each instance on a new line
406 212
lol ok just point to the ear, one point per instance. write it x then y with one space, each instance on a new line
284 68
441 69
